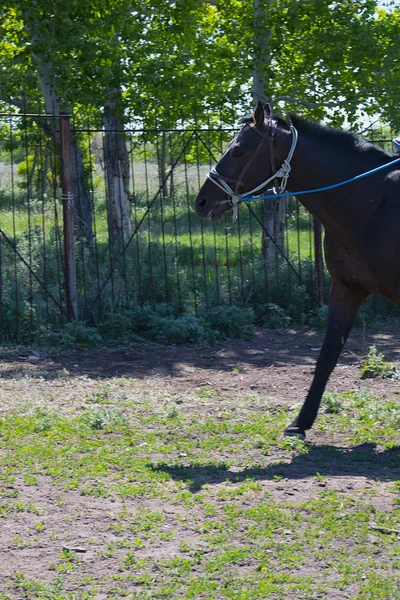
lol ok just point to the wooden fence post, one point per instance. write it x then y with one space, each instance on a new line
68 214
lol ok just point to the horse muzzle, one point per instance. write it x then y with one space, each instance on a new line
212 210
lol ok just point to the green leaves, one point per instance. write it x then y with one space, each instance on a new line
375 366
333 60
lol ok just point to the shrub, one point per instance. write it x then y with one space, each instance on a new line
116 328
76 334
127 325
171 330
231 321
319 318
273 316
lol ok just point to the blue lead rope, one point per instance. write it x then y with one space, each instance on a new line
327 187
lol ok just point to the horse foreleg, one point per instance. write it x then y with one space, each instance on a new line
344 302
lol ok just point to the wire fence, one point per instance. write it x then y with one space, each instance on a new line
96 221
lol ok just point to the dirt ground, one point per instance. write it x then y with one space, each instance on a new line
277 364
275 367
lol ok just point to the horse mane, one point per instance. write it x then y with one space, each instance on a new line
337 138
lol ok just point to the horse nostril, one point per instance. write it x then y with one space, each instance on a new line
201 203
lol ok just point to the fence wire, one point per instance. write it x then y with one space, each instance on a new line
137 237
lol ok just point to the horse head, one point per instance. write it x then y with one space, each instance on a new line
248 164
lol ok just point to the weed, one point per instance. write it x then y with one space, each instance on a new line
294 443
129 559
207 392
332 403
110 552
171 411
44 421
97 418
19 542
96 489
375 366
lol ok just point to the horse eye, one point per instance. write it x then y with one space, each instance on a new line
238 151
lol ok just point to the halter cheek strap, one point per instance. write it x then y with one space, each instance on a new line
234 197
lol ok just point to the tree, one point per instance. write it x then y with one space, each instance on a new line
387 77
314 56
323 57
28 67
172 62
51 43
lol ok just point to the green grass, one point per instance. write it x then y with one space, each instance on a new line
206 506
174 258
298 242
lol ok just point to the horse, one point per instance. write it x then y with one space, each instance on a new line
361 219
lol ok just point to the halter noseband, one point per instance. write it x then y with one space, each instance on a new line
234 197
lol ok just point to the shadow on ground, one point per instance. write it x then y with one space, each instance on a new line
329 461
269 348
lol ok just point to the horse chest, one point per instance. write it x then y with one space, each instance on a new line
360 270
376 272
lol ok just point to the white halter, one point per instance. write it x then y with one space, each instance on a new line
234 197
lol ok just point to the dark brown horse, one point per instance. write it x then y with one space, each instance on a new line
361 219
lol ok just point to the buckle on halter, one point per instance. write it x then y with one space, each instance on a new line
277 190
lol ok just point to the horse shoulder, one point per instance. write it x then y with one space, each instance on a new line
336 258
349 265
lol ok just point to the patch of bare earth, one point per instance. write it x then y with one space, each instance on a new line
274 369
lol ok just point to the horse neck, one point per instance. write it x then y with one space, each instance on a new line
316 165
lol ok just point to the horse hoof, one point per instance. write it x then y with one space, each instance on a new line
294 432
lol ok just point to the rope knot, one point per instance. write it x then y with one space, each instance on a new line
285 169
235 200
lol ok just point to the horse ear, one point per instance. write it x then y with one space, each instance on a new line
267 109
259 115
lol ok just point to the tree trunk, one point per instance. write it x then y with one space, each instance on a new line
162 165
116 162
261 50
31 175
81 193
273 210
273 219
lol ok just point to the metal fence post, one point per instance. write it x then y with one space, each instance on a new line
68 215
